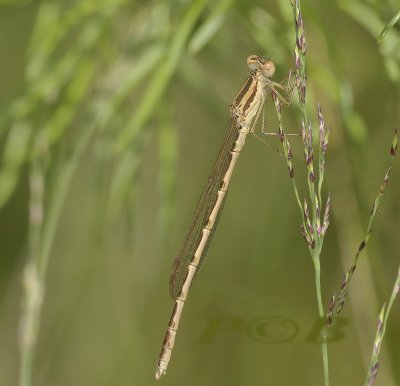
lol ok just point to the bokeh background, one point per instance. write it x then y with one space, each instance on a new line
111 114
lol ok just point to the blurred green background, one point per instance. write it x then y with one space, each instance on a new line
111 114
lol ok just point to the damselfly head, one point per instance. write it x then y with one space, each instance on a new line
255 62
267 67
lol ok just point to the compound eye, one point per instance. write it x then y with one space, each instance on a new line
268 69
253 62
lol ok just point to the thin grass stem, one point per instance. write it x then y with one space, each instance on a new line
43 225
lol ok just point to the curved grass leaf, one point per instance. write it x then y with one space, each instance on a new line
389 26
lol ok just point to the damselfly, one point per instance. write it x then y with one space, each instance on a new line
244 111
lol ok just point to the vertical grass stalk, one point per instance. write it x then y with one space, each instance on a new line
42 227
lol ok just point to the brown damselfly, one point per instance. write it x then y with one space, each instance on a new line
244 113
